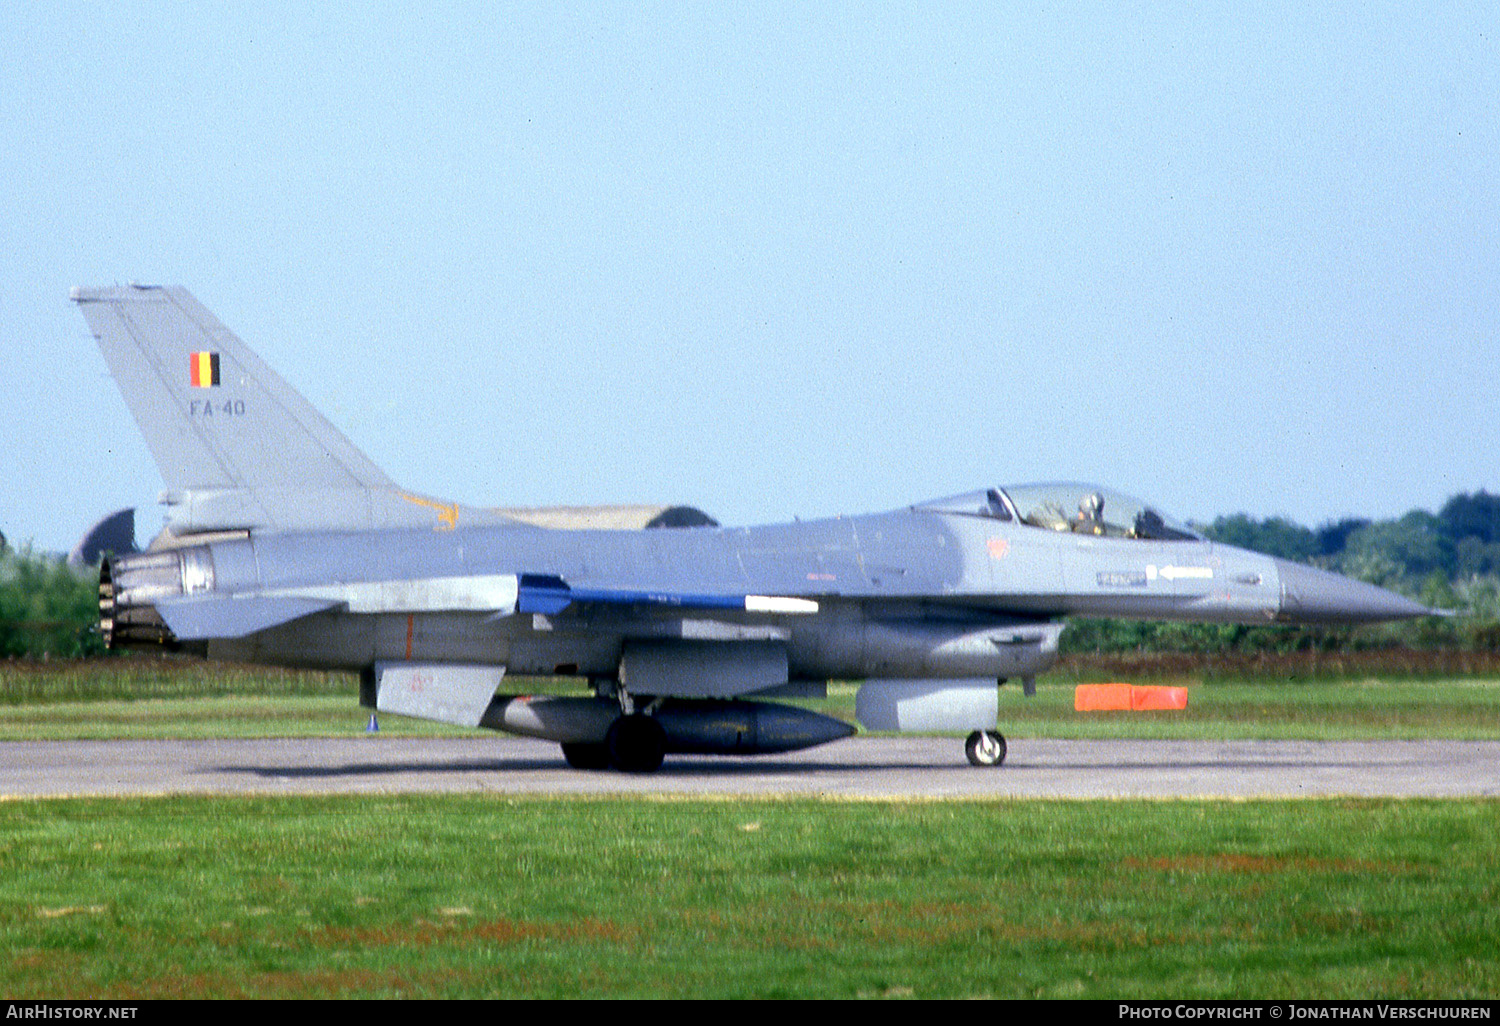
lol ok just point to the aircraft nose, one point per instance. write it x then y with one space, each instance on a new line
1309 595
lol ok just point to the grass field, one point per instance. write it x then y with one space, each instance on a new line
465 896
485 896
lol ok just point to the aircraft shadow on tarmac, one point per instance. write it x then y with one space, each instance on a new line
371 769
730 768
681 768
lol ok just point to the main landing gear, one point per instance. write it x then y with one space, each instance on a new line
985 748
634 744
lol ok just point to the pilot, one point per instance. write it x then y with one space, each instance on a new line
1090 515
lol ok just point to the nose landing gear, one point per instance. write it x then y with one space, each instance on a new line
985 748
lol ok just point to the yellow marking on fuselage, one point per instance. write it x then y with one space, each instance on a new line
447 512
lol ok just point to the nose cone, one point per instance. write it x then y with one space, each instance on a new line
1309 595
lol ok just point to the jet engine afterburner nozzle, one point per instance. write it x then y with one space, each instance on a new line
131 585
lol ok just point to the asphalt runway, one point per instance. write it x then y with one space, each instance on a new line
860 767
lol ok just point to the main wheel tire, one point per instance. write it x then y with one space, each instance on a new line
586 755
985 748
636 744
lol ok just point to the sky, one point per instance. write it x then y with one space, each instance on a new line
776 261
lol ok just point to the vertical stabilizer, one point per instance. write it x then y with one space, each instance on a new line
212 413
222 426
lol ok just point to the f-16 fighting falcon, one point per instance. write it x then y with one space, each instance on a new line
286 545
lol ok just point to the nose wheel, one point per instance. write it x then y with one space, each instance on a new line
985 748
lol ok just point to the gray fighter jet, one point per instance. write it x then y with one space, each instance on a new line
285 545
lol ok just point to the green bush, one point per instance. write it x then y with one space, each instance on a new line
47 609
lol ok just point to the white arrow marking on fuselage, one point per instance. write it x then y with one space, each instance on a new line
1173 573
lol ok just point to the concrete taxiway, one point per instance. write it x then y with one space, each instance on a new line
860 767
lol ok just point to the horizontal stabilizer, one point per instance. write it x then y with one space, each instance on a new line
196 619
548 594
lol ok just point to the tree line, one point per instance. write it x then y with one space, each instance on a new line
47 609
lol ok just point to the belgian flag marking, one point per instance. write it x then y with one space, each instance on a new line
204 371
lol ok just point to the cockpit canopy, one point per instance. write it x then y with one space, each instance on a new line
1069 506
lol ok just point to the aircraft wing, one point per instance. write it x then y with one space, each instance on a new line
195 617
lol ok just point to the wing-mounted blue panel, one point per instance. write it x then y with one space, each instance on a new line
549 594
543 593
196 619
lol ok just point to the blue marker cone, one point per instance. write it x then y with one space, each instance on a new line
372 727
